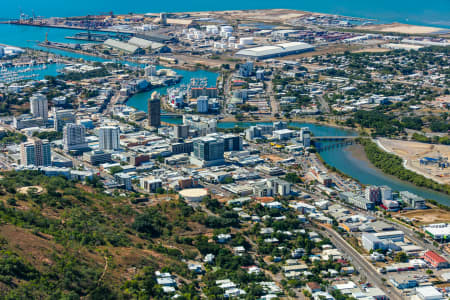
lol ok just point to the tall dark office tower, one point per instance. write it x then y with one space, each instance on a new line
154 110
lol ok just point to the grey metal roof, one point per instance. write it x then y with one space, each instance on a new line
145 44
121 45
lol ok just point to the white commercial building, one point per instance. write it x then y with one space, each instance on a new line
283 134
150 184
439 231
393 235
278 50
428 293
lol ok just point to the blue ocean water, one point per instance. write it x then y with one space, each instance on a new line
435 13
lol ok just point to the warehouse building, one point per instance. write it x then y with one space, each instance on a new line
440 232
121 46
149 45
278 50
394 235
382 240
371 242
435 259
428 293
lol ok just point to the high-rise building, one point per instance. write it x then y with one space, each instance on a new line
202 104
260 74
246 69
163 18
373 194
63 117
232 142
181 131
208 151
386 193
36 153
150 71
39 106
279 125
74 137
305 136
154 110
109 138
184 147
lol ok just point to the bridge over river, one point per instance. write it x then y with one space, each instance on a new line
324 143
334 138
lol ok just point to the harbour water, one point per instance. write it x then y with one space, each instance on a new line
33 72
139 101
433 13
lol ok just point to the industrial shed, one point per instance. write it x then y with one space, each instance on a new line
156 37
121 46
149 45
278 50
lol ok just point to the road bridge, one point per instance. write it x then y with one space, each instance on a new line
171 115
334 138
324 143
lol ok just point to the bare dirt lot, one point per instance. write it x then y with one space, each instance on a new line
412 152
265 15
271 157
402 28
35 189
372 50
428 216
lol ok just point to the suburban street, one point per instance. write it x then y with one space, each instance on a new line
274 104
361 263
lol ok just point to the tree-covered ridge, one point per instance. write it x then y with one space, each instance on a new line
78 232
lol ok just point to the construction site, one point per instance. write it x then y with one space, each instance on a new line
429 160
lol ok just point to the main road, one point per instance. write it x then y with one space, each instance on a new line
362 264
274 104
323 104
